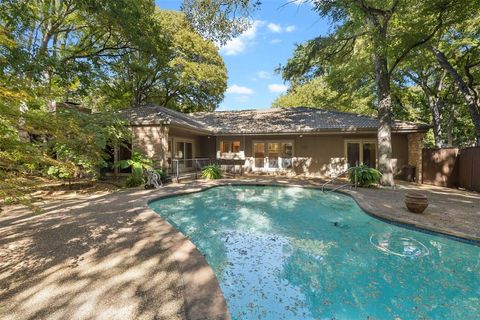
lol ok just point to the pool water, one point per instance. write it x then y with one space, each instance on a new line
294 253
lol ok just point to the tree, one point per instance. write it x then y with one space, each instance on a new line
462 43
319 93
422 70
182 71
219 20
50 51
65 50
389 31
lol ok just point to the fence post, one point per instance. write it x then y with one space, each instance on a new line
177 171
196 165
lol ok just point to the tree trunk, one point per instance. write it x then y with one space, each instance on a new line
384 135
473 107
436 108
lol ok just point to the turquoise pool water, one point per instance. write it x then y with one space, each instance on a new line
293 253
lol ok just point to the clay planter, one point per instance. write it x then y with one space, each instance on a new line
416 202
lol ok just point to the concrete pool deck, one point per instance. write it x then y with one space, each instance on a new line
108 255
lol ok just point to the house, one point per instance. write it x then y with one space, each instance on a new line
307 141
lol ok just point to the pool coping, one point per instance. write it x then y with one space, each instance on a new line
196 308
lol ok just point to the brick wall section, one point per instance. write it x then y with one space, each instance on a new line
152 141
415 146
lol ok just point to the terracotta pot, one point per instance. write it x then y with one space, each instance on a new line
416 202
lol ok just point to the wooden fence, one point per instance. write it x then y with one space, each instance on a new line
452 167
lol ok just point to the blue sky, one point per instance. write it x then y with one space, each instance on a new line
252 57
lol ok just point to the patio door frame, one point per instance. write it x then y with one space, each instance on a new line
361 142
184 153
266 158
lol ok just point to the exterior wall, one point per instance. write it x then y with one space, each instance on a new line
203 146
415 146
313 155
151 140
318 155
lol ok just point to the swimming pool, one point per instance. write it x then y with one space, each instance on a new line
294 253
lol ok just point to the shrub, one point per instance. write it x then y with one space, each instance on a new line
134 180
163 174
365 176
212 172
138 163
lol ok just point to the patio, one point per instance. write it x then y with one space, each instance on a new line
108 256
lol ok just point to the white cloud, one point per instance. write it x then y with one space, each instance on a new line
275 41
300 2
276 28
273 27
239 44
277 87
236 89
263 74
290 28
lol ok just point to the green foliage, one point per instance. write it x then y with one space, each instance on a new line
60 172
163 173
317 93
326 71
134 180
212 172
219 21
138 163
364 176
90 52
182 70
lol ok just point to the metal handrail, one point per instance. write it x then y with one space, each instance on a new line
334 178
195 166
340 187
338 176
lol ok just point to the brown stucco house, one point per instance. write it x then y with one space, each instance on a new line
301 141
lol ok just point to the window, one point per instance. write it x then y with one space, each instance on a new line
230 146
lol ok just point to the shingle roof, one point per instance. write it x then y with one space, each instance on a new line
281 120
152 114
293 120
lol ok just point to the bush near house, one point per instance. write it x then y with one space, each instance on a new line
138 163
364 176
212 172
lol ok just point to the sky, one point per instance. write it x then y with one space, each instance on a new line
252 57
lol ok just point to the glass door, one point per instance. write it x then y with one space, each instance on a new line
259 154
287 155
188 154
359 152
353 154
184 153
369 156
274 150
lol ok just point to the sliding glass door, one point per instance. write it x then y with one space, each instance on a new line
184 153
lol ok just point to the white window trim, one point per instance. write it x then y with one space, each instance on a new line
174 147
361 142
266 157
230 155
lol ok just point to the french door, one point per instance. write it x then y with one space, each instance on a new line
361 152
273 155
